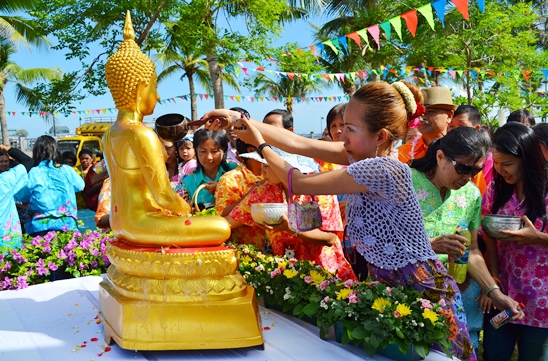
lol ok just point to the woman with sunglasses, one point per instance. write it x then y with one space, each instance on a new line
449 201
519 188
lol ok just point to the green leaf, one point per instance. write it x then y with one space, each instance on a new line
422 349
369 349
298 310
311 309
359 333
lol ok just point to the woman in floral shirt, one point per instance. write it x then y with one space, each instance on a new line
50 192
448 200
520 188
232 187
319 245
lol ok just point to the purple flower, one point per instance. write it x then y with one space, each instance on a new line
82 266
47 249
94 264
86 243
50 235
40 267
6 267
36 241
61 254
71 245
22 282
52 266
64 228
77 234
94 252
17 256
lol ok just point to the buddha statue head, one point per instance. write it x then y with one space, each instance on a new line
131 75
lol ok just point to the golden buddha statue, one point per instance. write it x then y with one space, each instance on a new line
171 284
145 210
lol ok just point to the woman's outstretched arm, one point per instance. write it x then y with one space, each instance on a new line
333 152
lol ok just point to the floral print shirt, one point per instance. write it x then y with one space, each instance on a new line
11 181
50 194
460 207
197 178
523 270
103 207
231 188
331 258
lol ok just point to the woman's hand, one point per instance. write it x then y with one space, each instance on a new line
249 133
485 303
450 244
211 187
284 226
502 302
215 115
4 147
527 235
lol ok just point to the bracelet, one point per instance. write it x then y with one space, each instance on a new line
491 289
261 147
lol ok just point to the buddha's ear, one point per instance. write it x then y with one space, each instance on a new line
140 87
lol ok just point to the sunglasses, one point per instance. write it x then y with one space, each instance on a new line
465 169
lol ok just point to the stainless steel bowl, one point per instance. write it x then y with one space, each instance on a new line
268 213
493 223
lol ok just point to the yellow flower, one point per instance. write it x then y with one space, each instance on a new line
246 259
380 303
430 315
317 277
290 273
343 294
403 310
282 264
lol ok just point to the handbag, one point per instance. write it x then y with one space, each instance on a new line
302 217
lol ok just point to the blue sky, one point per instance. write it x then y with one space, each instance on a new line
307 116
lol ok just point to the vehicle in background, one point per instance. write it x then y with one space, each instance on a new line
88 135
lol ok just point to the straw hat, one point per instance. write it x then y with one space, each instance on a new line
302 163
438 97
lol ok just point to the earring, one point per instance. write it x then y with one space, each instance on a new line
377 152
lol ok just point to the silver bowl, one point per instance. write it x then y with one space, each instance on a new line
268 213
493 223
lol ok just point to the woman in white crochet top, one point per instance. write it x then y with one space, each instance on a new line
384 218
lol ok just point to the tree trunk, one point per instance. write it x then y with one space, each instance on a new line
216 80
193 103
4 119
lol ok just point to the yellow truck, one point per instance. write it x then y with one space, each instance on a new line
88 135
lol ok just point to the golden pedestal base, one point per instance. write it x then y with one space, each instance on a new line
224 315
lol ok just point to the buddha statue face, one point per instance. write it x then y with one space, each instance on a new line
149 96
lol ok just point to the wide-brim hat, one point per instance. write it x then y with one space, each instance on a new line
438 97
302 163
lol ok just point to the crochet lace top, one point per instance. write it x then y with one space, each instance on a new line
385 224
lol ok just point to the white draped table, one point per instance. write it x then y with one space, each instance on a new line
58 321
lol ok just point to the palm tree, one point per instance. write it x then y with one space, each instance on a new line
193 66
21 78
16 29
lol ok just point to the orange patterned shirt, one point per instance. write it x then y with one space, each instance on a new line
330 258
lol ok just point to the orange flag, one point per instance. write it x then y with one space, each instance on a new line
462 6
354 36
411 21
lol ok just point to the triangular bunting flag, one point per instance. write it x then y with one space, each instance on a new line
342 40
238 98
333 47
354 36
261 68
374 31
481 5
462 7
104 111
439 6
545 72
201 96
411 21
453 73
396 23
426 11
526 74
386 28
363 34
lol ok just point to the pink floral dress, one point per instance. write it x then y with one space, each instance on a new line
331 258
523 270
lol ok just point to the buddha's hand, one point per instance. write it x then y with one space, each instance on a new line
222 119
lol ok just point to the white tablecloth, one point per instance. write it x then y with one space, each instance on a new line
58 321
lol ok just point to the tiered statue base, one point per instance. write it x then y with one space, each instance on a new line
177 299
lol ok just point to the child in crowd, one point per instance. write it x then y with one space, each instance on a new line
186 156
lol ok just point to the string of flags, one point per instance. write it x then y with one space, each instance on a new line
411 20
187 97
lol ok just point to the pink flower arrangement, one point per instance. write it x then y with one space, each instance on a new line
40 258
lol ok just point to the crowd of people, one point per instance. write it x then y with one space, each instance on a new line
397 173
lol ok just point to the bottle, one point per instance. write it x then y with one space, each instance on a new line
502 318
458 268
